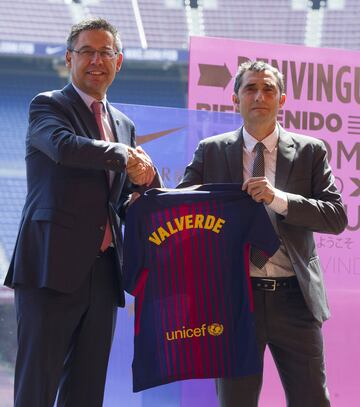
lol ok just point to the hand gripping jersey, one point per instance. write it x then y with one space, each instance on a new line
186 261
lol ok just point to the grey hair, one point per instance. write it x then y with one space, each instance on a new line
92 24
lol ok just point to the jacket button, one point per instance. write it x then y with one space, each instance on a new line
102 228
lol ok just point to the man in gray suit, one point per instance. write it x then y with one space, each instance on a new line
290 174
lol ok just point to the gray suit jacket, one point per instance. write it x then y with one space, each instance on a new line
314 203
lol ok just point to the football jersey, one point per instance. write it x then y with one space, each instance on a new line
186 261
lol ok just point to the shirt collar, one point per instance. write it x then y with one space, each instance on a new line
88 100
269 141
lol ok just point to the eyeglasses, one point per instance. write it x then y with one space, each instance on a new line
89 53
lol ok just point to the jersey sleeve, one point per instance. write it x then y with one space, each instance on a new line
134 246
262 234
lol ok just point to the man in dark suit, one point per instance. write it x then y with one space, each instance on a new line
66 268
299 193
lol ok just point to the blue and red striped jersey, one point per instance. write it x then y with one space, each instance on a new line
186 261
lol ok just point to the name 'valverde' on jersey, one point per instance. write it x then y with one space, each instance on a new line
186 261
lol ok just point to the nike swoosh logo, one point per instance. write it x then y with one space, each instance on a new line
153 136
53 50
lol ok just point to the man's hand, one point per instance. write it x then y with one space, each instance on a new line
133 197
140 168
260 189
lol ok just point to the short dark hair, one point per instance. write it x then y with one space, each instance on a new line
92 24
258 66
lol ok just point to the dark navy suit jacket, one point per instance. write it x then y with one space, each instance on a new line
69 199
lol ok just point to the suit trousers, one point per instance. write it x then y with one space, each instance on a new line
294 337
64 340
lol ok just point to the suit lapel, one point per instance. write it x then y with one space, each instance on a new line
115 123
119 178
285 157
234 156
82 113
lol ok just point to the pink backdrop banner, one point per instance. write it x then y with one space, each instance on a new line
323 98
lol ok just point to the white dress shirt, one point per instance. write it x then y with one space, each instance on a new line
279 265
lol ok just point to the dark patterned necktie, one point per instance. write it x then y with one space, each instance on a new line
256 256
